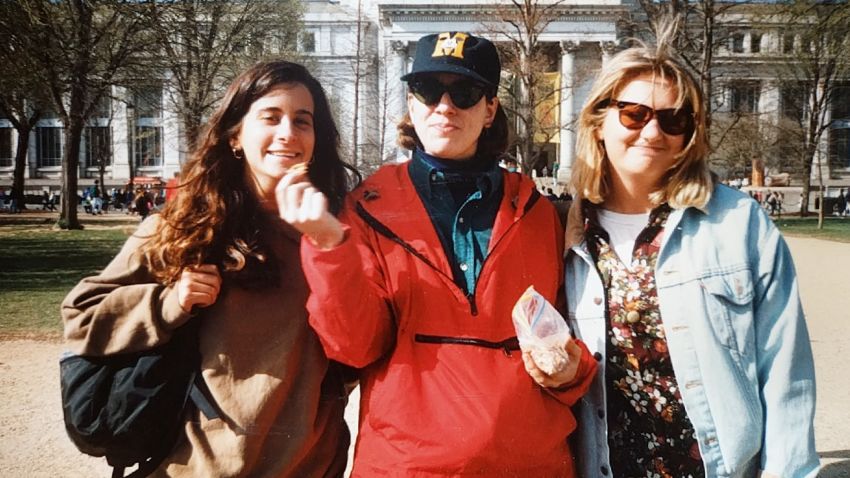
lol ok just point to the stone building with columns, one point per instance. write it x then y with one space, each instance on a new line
748 76
360 48
582 35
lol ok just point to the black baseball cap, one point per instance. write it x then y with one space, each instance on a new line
460 53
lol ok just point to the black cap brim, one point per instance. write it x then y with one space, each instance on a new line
448 68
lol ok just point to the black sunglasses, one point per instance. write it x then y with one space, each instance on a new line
464 93
672 121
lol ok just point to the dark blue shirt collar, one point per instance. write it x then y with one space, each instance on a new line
476 164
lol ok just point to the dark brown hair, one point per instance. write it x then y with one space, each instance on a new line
216 218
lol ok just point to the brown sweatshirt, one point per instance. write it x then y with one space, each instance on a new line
263 364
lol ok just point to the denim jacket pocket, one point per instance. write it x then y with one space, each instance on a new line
728 299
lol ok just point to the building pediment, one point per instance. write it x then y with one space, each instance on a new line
588 21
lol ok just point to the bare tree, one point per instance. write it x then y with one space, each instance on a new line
201 46
358 78
20 103
745 142
818 66
520 24
79 48
700 34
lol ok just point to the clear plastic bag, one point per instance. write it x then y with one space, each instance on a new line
541 330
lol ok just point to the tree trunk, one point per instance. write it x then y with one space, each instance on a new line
70 164
757 179
20 166
355 152
807 184
193 130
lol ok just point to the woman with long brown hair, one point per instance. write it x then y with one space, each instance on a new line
219 254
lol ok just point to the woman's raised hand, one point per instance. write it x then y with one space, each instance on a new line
305 207
198 286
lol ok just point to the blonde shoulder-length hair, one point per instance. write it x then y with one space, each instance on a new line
688 182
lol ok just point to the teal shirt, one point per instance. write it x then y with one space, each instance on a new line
462 199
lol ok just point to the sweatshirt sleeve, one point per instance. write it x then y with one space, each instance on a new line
123 308
349 305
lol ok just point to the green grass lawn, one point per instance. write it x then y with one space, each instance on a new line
834 228
39 266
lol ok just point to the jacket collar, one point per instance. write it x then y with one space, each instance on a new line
576 225
390 198
578 222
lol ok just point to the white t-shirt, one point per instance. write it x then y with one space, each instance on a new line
623 230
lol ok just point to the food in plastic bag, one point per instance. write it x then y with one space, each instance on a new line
542 331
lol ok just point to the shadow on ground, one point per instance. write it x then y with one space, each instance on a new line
840 469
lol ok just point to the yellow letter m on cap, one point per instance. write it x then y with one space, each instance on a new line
450 45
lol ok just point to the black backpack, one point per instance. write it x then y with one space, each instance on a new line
131 408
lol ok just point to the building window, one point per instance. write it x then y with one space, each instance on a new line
840 131
840 145
148 146
755 42
738 43
307 42
7 156
104 108
792 101
148 102
788 43
98 146
744 98
49 146
147 131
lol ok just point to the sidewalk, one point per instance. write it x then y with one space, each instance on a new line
37 216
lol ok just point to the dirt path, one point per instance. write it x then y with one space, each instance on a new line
33 441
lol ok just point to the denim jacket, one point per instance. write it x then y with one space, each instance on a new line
736 333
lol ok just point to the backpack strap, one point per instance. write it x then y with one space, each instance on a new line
201 396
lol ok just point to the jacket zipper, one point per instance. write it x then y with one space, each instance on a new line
507 346
385 231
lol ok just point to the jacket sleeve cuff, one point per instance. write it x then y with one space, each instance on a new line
570 392
308 246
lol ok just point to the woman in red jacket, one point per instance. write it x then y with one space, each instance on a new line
416 288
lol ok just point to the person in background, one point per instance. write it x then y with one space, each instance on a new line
684 290
96 198
417 288
142 204
841 203
219 254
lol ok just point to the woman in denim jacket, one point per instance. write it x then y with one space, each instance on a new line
684 290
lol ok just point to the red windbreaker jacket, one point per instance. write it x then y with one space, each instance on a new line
443 389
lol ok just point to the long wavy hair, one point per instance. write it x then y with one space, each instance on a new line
216 218
688 182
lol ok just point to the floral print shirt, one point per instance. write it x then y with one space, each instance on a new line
649 433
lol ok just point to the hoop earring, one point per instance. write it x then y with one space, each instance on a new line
238 153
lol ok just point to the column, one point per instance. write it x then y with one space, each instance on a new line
396 101
121 134
821 164
173 142
609 48
567 136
